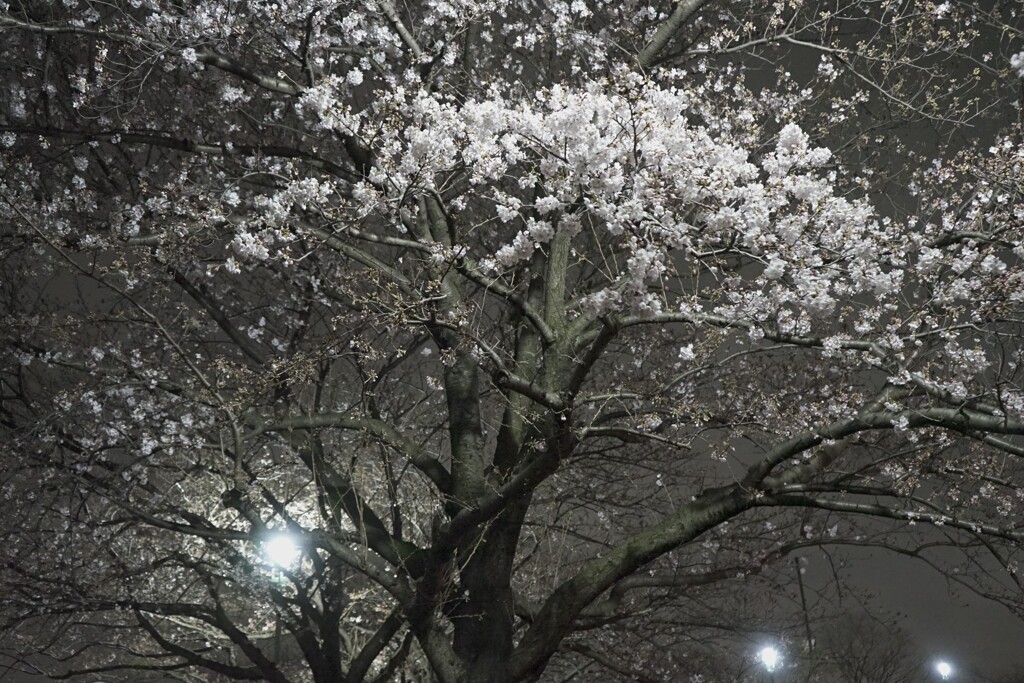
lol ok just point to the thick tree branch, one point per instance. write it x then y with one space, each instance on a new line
682 13
271 83
561 609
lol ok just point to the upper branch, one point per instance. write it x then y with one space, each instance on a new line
423 461
186 145
878 510
663 36
271 83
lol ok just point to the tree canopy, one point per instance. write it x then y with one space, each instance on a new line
545 330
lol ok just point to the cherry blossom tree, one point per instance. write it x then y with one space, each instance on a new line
544 329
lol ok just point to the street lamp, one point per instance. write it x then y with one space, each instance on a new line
282 552
770 658
944 669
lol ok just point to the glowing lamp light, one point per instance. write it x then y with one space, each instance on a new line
770 657
281 550
945 669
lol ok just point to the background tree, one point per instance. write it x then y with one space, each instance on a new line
861 647
537 325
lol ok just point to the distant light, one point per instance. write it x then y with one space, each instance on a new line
770 657
945 669
281 550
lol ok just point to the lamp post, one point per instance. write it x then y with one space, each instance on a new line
944 669
281 551
770 658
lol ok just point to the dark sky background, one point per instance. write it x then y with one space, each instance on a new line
979 637
976 635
